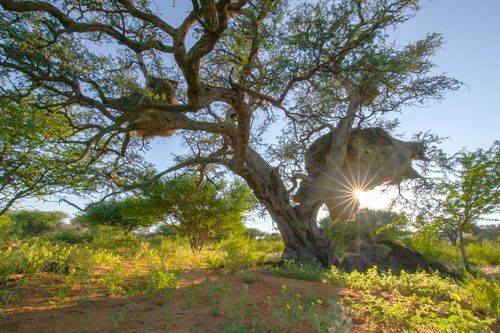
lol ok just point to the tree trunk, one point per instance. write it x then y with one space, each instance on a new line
304 241
464 252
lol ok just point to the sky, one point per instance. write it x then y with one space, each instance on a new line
469 117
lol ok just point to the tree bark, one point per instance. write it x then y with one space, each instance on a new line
463 250
304 241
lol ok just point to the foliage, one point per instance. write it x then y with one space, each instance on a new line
71 235
484 252
484 295
202 212
160 279
435 250
234 69
440 251
324 316
34 222
5 227
301 271
115 213
472 193
414 300
241 253
370 224
30 153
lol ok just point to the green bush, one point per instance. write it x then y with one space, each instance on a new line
483 294
484 253
116 240
241 252
43 256
437 251
157 279
71 236
34 223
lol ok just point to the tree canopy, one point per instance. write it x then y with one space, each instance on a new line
116 213
201 211
121 71
471 192
35 222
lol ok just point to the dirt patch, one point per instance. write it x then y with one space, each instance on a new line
205 302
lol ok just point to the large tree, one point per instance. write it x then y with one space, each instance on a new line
326 71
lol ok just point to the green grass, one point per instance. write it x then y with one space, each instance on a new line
412 301
128 264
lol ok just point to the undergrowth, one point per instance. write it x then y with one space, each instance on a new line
413 301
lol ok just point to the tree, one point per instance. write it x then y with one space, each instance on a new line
471 193
35 222
325 71
26 154
116 213
201 211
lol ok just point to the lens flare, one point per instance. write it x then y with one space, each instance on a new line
359 195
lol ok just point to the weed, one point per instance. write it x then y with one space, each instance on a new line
311 272
217 293
247 278
6 296
295 310
160 279
484 295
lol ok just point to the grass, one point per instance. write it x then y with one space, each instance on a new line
412 301
129 265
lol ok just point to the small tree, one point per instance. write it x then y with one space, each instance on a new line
35 222
471 193
201 211
116 213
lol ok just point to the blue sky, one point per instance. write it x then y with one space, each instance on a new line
469 117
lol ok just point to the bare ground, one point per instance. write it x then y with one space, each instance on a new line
190 309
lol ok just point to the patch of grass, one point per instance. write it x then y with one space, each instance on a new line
247 278
291 269
217 294
291 310
6 296
421 300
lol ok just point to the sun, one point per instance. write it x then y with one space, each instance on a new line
360 195
375 198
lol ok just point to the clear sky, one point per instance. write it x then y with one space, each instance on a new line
469 117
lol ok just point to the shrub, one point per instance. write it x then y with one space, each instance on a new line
241 252
157 279
42 256
437 251
71 236
483 295
484 253
31 223
116 240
